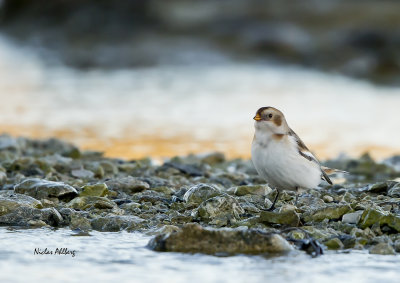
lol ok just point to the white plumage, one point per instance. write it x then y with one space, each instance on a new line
281 165
279 155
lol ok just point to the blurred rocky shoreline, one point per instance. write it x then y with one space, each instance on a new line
355 38
197 203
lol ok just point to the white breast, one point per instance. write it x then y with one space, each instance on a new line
281 165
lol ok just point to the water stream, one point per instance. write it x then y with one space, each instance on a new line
124 257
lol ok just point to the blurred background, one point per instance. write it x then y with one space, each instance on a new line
161 78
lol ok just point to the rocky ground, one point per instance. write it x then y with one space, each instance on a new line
203 204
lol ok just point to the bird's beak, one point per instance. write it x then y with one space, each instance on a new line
257 117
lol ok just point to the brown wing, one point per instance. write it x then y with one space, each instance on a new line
306 153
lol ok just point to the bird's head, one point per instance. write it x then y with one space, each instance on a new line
270 119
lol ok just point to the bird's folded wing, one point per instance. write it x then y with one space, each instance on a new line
306 153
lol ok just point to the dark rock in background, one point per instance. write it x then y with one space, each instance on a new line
356 38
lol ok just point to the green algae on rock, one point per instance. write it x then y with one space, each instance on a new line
193 238
96 190
334 244
290 218
87 202
327 212
374 216
38 189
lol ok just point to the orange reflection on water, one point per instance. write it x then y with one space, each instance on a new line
134 147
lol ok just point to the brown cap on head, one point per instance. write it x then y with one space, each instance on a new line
269 114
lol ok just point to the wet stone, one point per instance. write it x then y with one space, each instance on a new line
379 217
88 202
334 244
327 212
25 216
117 223
79 221
382 249
128 185
220 210
290 218
261 190
3 178
39 189
327 198
378 187
201 192
193 238
397 245
395 191
140 196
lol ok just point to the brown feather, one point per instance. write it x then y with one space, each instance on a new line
302 149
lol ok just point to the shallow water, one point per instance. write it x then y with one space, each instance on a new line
123 257
176 109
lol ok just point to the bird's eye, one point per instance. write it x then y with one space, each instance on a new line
269 115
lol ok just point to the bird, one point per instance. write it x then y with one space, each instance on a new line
281 158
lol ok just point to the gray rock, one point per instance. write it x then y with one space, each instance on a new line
23 216
352 218
3 178
220 210
9 200
327 198
290 218
79 221
39 189
201 192
382 249
82 174
378 187
331 211
117 223
195 239
128 185
261 190
22 210
397 245
88 202
395 191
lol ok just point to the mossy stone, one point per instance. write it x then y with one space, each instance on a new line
289 217
327 212
382 249
86 202
334 244
97 190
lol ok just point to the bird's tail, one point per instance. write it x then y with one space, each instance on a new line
330 171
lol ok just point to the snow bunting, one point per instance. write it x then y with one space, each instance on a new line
280 156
